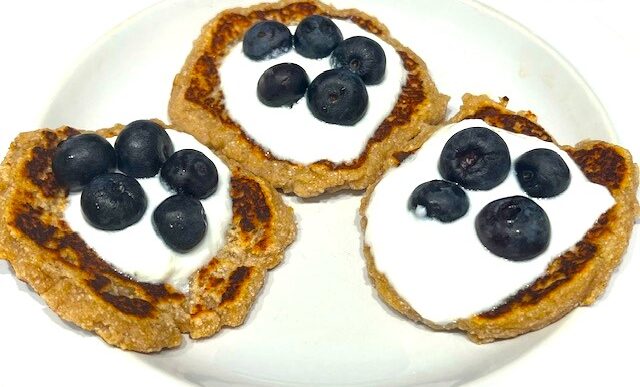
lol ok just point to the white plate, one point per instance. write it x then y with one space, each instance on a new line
318 320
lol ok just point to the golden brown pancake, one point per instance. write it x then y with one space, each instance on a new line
85 290
575 278
197 104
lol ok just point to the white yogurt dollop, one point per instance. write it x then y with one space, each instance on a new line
443 270
138 251
293 133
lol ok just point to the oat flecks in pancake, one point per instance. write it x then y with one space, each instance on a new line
578 276
85 290
197 105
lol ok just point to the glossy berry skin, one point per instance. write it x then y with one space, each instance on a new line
80 158
542 173
362 56
142 147
181 222
113 201
439 199
476 158
190 172
316 36
515 228
266 40
338 97
282 85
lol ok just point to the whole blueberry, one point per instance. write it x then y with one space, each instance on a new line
515 228
181 222
362 56
80 158
282 85
542 173
476 158
316 36
439 199
142 147
113 201
266 40
190 172
338 96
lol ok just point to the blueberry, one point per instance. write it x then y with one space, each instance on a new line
542 173
338 97
266 40
80 158
316 36
181 222
282 85
142 147
439 199
190 172
113 201
476 158
515 228
362 56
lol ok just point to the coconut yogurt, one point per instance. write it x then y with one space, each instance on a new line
442 270
276 129
137 251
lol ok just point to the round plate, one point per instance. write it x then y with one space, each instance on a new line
318 320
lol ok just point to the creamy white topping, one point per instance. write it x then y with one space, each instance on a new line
293 133
443 270
138 251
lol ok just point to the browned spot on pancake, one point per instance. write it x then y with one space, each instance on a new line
38 170
129 305
230 28
366 24
511 122
236 280
249 203
560 271
214 282
50 138
99 282
28 221
295 11
401 156
601 164
133 306
69 131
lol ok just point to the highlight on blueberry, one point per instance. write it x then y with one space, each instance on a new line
316 36
282 85
181 222
142 147
113 201
439 199
363 57
542 173
266 40
80 158
338 96
190 172
515 228
476 158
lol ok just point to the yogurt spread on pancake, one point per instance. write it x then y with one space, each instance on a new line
137 251
293 133
442 269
